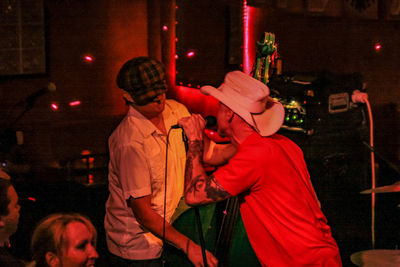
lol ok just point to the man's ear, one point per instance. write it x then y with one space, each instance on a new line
127 96
52 259
230 114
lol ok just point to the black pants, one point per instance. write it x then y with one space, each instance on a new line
114 260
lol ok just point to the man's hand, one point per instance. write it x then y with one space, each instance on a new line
195 255
193 126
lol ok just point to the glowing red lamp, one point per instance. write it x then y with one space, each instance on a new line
88 58
54 106
190 54
74 103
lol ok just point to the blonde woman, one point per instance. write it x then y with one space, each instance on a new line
64 239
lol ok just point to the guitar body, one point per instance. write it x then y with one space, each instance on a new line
187 225
231 249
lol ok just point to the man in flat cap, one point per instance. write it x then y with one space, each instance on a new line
279 207
145 189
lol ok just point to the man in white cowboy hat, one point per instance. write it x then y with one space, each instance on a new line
279 207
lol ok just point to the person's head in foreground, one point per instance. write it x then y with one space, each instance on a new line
249 99
64 239
9 211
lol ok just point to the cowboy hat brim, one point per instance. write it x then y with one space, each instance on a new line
266 123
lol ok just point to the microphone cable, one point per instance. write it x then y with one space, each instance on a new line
165 196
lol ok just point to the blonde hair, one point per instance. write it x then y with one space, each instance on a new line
48 235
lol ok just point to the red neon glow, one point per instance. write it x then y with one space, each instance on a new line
246 59
196 101
32 199
249 39
90 179
88 58
378 47
165 28
190 54
54 106
176 57
75 103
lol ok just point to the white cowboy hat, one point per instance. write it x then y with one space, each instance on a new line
249 98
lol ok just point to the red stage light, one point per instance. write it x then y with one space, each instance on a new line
75 103
32 199
190 54
165 28
176 56
88 58
378 47
54 106
90 179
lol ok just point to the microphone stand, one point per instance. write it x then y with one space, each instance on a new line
201 236
28 107
197 214
391 165
196 209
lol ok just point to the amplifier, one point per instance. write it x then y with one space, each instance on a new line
317 102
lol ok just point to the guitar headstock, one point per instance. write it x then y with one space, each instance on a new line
265 50
268 46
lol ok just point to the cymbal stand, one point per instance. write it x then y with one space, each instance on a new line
373 182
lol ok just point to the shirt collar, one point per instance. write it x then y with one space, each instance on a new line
146 126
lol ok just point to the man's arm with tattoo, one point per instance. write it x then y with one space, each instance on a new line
200 188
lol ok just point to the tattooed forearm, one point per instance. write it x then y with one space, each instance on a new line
200 189
196 148
195 153
188 172
214 190
195 184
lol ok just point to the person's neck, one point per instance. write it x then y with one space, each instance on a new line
240 132
158 121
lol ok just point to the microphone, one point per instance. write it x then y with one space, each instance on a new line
51 87
211 121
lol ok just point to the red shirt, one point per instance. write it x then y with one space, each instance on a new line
279 207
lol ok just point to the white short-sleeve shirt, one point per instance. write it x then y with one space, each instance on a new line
136 169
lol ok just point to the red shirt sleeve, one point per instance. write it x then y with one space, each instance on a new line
238 175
